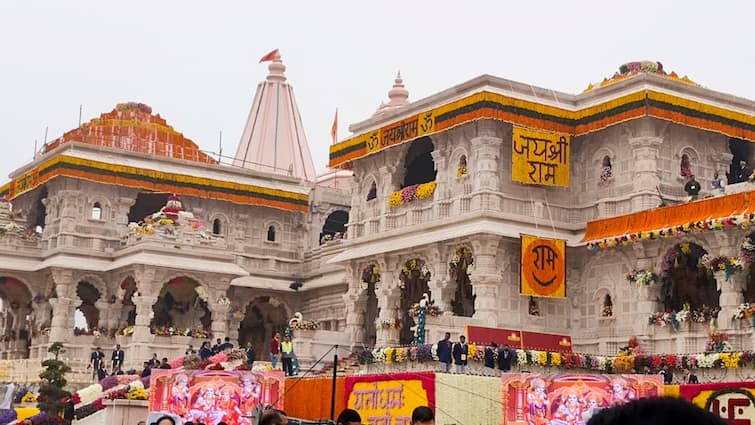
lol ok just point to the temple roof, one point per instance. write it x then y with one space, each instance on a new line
132 126
273 139
398 96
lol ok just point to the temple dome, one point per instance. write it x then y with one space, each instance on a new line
132 126
398 96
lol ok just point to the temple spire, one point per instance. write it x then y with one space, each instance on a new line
273 139
398 96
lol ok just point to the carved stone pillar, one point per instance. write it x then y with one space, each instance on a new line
440 159
486 279
443 290
144 314
219 324
234 323
63 307
114 317
389 302
645 151
486 154
104 308
731 296
356 308
649 297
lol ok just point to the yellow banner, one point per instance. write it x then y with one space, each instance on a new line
539 157
387 402
543 272
735 404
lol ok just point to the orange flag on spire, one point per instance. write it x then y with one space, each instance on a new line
270 56
334 129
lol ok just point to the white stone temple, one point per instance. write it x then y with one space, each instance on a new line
158 245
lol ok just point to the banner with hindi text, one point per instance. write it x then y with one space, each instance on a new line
543 271
539 157
389 399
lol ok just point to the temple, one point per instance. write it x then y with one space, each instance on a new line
545 220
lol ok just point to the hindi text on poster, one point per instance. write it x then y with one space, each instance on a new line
540 157
543 272
387 402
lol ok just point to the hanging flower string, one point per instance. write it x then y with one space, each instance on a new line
461 260
742 221
370 275
388 324
414 268
631 359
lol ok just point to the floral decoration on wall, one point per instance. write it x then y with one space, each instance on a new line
412 193
413 269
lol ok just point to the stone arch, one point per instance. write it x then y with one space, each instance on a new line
459 262
594 279
599 297
222 222
688 158
334 226
100 202
369 182
263 316
95 280
182 304
87 310
369 281
277 231
603 152
414 276
683 281
419 166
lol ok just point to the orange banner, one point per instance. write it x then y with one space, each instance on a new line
543 272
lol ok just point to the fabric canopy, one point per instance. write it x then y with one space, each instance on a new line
667 217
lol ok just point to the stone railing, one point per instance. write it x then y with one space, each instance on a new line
177 236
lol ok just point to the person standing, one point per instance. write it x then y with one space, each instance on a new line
251 355
744 172
718 185
692 188
117 357
95 360
287 351
165 364
227 345
216 348
668 376
505 359
490 350
690 378
275 348
101 372
146 371
204 351
154 362
461 351
444 353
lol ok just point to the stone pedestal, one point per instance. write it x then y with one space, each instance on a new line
645 151
388 302
356 307
486 152
443 291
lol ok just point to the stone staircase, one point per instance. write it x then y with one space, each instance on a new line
346 366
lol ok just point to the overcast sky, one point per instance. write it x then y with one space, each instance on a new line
195 62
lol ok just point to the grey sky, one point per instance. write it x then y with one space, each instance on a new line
195 62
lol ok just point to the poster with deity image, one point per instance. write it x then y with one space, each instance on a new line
213 396
570 399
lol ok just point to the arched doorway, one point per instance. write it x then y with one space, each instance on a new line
87 316
685 281
419 165
335 226
181 305
123 296
413 277
16 300
263 317
371 283
464 298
